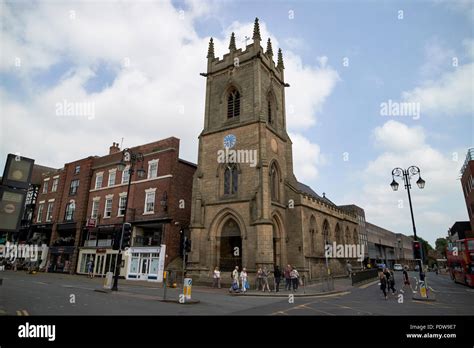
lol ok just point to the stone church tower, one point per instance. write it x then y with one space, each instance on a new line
247 206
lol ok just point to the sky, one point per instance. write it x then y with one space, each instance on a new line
136 65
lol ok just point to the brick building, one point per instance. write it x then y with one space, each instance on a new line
467 183
158 208
80 208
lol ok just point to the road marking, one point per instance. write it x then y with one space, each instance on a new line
25 313
367 285
41 283
19 313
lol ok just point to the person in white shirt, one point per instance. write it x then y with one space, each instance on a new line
217 278
235 279
243 278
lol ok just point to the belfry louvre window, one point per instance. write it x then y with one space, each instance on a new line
233 103
270 112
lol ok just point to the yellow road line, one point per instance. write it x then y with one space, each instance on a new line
368 284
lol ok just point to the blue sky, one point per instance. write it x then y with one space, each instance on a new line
140 63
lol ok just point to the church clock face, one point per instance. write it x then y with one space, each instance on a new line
229 141
274 146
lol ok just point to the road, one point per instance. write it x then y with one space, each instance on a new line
56 294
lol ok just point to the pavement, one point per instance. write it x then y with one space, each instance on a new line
63 294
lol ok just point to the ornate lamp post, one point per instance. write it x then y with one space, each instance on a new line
406 175
128 156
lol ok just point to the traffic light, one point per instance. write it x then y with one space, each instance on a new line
417 250
127 235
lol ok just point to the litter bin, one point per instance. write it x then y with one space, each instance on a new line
109 277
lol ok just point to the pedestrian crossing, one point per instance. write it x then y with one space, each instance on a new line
22 312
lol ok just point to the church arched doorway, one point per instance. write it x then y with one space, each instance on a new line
230 246
277 261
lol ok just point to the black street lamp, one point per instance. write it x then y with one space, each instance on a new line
132 158
406 174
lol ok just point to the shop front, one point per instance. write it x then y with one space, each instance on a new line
97 247
145 263
60 259
103 261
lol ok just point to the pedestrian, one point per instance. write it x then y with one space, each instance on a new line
391 282
235 280
349 269
259 278
287 277
294 276
277 275
217 278
383 283
406 280
90 268
244 280
265 274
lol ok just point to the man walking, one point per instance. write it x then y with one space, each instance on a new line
349 269
277 275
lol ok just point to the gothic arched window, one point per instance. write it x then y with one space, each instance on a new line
271 113
312 233
274 183
233 103
326 232
338 234
231 179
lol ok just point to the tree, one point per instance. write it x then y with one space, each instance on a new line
425 246
441 245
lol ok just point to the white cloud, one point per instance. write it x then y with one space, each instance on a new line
307 158
160 94
436 207
453 92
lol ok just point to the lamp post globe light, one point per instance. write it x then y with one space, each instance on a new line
129 158
406 175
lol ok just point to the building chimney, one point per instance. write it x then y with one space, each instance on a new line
114 148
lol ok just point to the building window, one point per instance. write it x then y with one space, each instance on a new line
274 182
55 185
45 186
99 177
150 202
112 178
231 179
233 103
40 212
77 169
271 111
108 208
326 232
70 208
122 203
125 175
95 209
49 212
74 186
152 169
